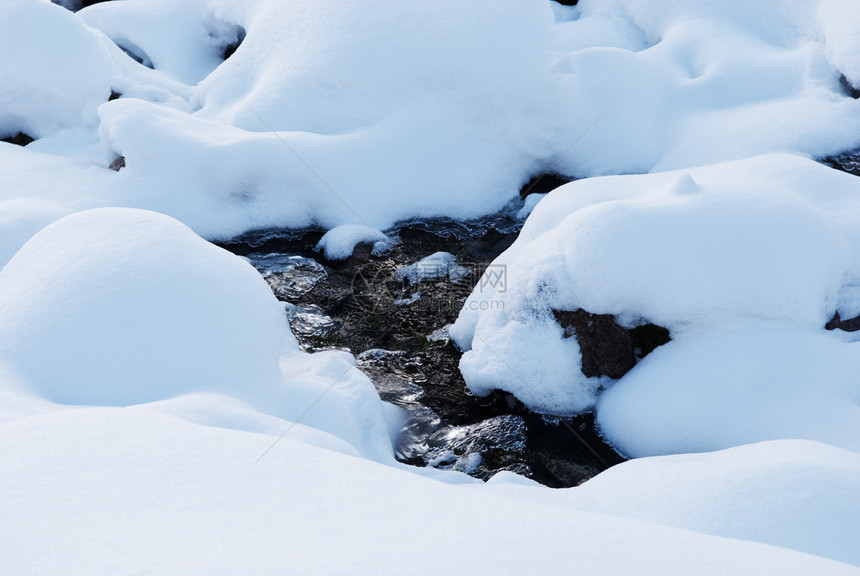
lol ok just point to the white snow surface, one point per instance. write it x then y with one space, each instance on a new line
439 265
129 490
792 493
54 71
156 414
335 113
116 306
744 262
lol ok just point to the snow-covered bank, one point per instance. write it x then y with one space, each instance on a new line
157 414
334 114
190 357
116 306
130 490
743 262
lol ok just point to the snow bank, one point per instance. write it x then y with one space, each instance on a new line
772 238
143 491
336 113
118 307
794 494
54 72
678 83
182 39
747 383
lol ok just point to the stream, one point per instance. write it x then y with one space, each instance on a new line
391 311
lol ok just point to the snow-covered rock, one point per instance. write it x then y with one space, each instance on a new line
768 243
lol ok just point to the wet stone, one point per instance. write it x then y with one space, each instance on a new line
846 162
609 349
846 325
396 327
19 139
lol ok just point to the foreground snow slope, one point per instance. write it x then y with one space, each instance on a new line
131 490
334 113
116 306
216 446
744 262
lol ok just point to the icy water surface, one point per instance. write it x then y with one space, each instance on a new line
392 311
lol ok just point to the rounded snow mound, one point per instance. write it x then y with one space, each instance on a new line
54 73
119 306
795 494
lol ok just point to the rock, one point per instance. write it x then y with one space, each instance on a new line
849 88
846 162
118 164
848 325
609 349
20 139
230 48
543 183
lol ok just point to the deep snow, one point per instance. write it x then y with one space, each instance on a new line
158 415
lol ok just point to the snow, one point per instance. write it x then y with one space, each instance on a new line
338 243
182 39
117 306
771 240
158 415
793 493
341 114
437 266
796 494
111 490
55 71
736 385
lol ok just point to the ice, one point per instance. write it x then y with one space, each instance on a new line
437 266
289 276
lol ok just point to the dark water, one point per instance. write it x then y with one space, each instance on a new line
396 328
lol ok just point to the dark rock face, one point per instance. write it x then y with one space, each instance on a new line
19 139
118 164
75 5
608 349
543 183
231 47
848 325
846 162
849 88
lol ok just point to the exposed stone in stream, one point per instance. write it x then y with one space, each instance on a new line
117 164
19 139
396 329
847 325
609 349
849 88
846 161
543 183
